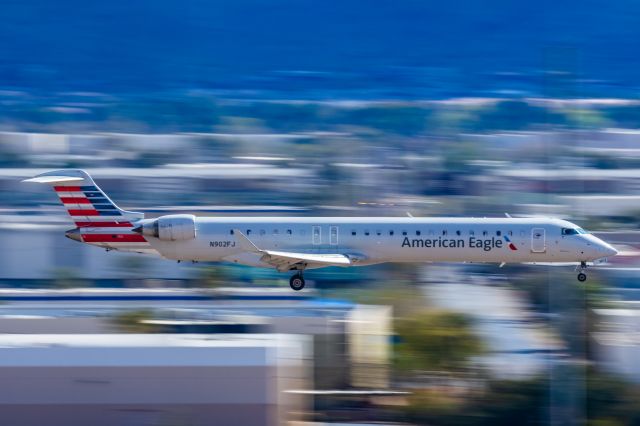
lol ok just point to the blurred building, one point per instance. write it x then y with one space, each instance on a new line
159 379
350 343
617 343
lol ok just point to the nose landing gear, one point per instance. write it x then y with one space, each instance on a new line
582 277
297 282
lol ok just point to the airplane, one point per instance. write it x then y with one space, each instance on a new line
295 244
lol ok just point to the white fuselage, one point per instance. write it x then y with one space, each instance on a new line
373 240
298 243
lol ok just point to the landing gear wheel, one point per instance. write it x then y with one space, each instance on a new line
296 282
582 277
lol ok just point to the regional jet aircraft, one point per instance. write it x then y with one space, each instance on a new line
300 243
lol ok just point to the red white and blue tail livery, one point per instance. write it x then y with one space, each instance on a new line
99 221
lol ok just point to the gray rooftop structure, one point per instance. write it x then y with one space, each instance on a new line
137 379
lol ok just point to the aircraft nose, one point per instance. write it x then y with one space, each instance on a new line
74 234
605 249
609 250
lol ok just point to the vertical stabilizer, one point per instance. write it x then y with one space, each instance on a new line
98 219
85 202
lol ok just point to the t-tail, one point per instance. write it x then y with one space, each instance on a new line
99 221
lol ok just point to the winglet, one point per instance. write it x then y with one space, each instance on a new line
245 243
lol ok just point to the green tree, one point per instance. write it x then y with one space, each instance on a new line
610 400
436 340
135 266
211 276
134 321
500 402
434 407
64 277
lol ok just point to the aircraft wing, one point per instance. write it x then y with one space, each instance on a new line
285 260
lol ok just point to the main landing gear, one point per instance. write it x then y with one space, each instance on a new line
582 277
297 282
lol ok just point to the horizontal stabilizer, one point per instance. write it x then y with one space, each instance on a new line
53 179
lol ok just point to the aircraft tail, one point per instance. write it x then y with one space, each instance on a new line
85 202
98 219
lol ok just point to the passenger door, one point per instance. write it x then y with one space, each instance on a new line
538 240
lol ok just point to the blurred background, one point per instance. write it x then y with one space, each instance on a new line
343 108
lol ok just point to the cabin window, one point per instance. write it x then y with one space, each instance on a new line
353 233
366 233
404 232
289 231
458 233
498 233
262 232
391 233
484 233
472 232
444 232
378 232
231 232
418 233
248 231
510 233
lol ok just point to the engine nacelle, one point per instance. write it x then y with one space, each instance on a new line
174 227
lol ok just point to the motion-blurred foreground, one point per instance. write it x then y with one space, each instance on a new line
298 109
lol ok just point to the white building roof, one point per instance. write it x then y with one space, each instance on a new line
148 350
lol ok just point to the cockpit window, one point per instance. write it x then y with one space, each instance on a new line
569 231
573 231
